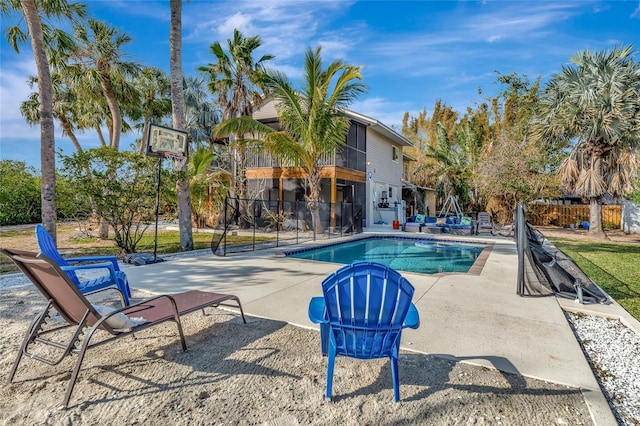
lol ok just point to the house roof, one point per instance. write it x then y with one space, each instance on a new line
270 112
409 185
407 157
379 127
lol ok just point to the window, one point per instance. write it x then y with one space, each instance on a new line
395 153
352 154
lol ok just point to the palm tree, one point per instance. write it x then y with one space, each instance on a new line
155 88
448 166
200 119
64 101
199 181
179 122
312 119
98 62
237 80
594 107
200 115
40 34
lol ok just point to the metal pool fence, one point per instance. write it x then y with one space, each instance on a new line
275 223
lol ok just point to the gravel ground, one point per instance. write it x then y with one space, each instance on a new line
613 350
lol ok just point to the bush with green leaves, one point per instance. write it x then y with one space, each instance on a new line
635 195
19 193
121 187
71 204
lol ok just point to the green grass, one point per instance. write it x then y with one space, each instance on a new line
613 266
168 242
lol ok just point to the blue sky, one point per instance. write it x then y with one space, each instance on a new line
413 52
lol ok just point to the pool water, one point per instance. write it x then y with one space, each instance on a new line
403 254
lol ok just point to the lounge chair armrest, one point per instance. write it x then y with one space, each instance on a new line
104 265
111 259
142 302
317 310
112 288
412 320
109 266
174 305
100 290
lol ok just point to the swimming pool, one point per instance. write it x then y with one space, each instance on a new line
403 254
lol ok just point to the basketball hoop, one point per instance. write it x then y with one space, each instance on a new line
178 159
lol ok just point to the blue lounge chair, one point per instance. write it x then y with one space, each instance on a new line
364 309
114 278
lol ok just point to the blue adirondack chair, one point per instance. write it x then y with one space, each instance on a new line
365 307
114 278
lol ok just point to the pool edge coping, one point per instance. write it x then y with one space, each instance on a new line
475 269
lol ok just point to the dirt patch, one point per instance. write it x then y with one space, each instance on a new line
616 235
265 372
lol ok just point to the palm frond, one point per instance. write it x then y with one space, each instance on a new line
569 172
590 184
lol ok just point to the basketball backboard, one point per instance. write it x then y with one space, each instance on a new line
165 141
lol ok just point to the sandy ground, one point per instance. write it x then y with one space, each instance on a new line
263 373
616 235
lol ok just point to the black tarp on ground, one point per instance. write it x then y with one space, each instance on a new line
544 270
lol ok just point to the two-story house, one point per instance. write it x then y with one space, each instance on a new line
366 173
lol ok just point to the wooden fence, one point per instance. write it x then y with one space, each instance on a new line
568 214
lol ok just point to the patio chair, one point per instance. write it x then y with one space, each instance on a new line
484 223
364 309
82 320
114 277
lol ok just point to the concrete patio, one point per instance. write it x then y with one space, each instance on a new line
477 319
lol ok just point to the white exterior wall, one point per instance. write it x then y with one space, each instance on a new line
385 173
266 111
630 217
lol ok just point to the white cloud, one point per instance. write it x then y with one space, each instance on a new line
286 28
240 21
636 13
13 91
387 112
520 19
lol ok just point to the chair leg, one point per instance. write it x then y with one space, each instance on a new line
35 325
76 369
395 377
183 342
331 357
244 320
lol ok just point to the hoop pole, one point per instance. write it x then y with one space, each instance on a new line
155 242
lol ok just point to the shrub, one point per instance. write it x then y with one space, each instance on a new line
120 187
19 193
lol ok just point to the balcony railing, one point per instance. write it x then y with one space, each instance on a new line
345 157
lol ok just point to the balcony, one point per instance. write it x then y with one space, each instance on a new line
346 157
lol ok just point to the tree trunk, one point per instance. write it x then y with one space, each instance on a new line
116 115
68 130
595 219
47 130
177 101
100 136
143 139
314 201
241 186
